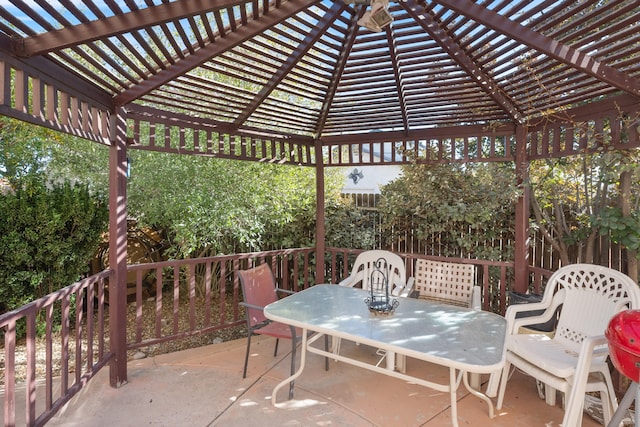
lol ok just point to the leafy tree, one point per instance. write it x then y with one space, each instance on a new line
565 193
459 208
24 151
580 199
29 152
210 206
79 160
348 226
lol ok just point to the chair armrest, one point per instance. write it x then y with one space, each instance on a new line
250 326
476 298
408 288
597 345
348 281
514 325
514 309
285 291
244 304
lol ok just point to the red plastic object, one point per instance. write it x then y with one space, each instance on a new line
623 336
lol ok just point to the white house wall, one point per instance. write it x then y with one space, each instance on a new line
369 179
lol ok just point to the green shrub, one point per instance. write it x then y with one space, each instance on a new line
47 239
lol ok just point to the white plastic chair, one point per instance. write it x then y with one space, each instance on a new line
573 361
364 266
360 275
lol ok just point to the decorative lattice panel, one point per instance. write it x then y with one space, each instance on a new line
444 281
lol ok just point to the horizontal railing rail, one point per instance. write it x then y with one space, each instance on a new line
59 342
538 278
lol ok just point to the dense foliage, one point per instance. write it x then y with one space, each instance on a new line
50 228
47 238
203 205
213 206
580 201
453 210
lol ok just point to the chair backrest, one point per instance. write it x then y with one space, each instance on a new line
448 282
590 296
365 265
258 289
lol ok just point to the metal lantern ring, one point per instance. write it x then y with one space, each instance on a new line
379 300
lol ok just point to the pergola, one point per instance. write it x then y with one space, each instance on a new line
302 82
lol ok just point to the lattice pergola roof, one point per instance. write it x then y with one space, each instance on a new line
305 68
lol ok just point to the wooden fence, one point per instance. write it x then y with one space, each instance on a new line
541 253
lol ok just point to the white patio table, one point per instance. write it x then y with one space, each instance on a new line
465 341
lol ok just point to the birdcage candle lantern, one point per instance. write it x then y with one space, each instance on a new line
379 300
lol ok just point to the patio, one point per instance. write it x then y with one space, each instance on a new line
204 387
301 83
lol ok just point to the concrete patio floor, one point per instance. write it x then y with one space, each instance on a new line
204 387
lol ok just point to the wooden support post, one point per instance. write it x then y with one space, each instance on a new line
118 249
320 230
521 256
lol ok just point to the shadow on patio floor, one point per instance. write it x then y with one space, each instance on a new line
204 387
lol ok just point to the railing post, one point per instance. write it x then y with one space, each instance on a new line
118 249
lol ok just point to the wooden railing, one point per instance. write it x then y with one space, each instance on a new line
184 298
202 295
537 279
65 344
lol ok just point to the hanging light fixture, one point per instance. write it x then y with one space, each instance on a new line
378 17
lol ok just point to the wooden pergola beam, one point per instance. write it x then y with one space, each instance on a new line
566 54
290 62
229 41
440 36
118 24
332 87
397 75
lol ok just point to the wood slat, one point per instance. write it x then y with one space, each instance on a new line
307 69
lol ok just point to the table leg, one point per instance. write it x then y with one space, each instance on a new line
391 360
303 357
474 380
453 386
465 380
